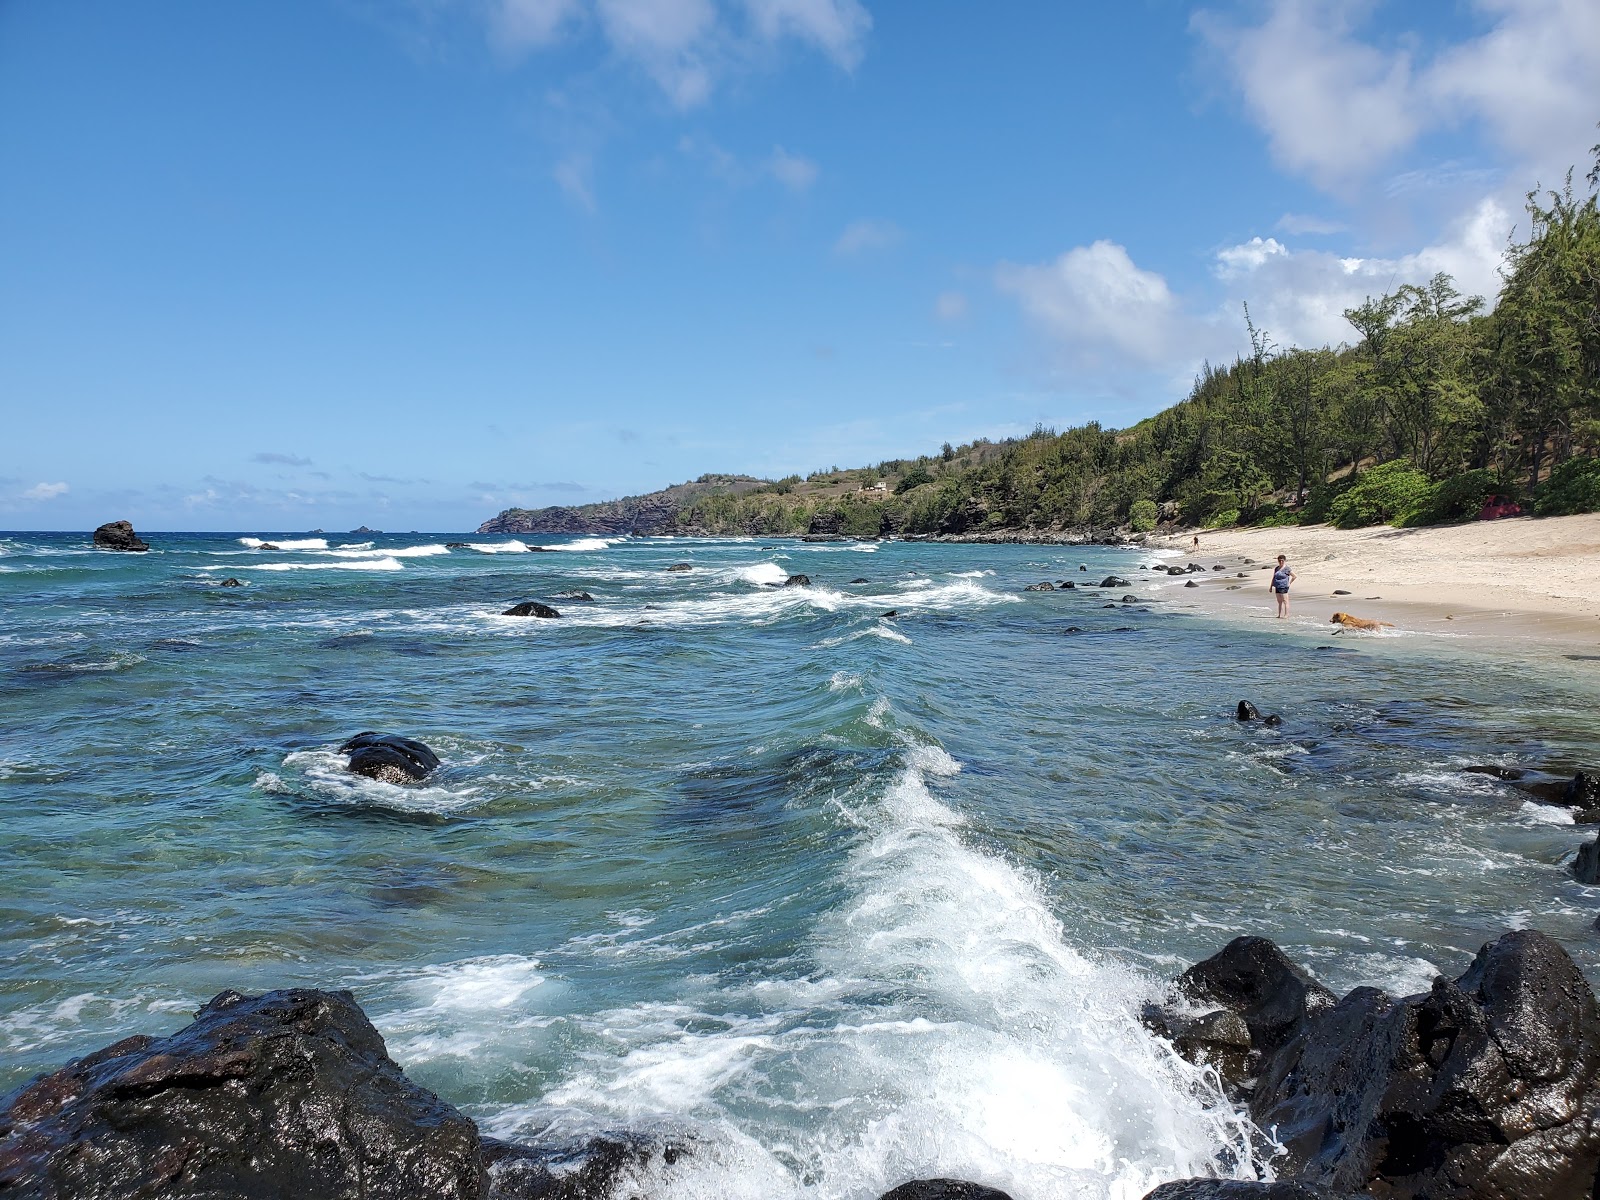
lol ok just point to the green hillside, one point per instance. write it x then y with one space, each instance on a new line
1432 405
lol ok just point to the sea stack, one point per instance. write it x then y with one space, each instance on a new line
119 535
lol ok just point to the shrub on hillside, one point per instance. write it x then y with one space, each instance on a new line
1459 498
1573 487
1142 516
1385 495
915 477
1273 516
1222 519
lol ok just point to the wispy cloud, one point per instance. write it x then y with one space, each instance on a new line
794 171
859 237
46 491
1304 225
1337 106
684 47
287 460
574 175
950 306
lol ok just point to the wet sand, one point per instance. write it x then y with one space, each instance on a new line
1533 581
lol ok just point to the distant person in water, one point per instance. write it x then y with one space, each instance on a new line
1281 579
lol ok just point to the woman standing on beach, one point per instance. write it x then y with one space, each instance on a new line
1281 579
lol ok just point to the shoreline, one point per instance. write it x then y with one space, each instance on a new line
1521 580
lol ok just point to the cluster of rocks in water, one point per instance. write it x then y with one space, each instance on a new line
1486 1087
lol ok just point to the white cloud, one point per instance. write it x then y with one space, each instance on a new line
950 306
684 46
1331 106
1299 296
1336 108
45 491
794 171
862 236
525 24
1101 308
837 27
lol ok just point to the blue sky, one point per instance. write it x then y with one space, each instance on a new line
405 263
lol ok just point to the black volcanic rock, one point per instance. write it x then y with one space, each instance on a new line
230 581
1236 1189
530 608
943 1189
1484 1088
119 535
797 581
389 757
286 1096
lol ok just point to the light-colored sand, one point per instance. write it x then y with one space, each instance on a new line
1519 578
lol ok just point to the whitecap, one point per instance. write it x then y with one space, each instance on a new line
583 544
292 544
511 547
359 564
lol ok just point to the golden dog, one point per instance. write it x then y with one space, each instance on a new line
1349 622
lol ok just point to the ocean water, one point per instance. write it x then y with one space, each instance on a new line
842 899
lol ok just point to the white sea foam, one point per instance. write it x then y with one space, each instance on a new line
948 1028
324 773
1534 813
844 681
583 544
386 563
511 547
761 573
293 544
431 551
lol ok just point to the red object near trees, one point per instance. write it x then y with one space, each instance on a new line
1495 507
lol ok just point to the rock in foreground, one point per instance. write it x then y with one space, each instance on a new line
1485 1088
289 1095
119 535
389 757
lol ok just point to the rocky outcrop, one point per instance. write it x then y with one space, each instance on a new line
1114 581
389 757
1248 712
290 1094
1233 1189
230 581
531 608
681 567
591 1170
1487 1087
797 581
1045 586
943 1189
119 535
579 597
654 514
1586 868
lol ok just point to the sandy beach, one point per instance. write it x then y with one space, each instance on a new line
1522 578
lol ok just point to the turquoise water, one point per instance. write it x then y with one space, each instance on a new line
846 899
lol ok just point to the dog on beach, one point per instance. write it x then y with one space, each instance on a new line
1349 622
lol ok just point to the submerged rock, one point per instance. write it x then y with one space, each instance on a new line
530 608
230 581
1114 581
119 535
1046 586
1248 712
797 581
681 567
289 1094
893 612
389 758
580 597
1191 583
863 579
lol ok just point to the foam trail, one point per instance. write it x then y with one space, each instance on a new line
296 544
761 573
431 551
593 543
948 1028
357 564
